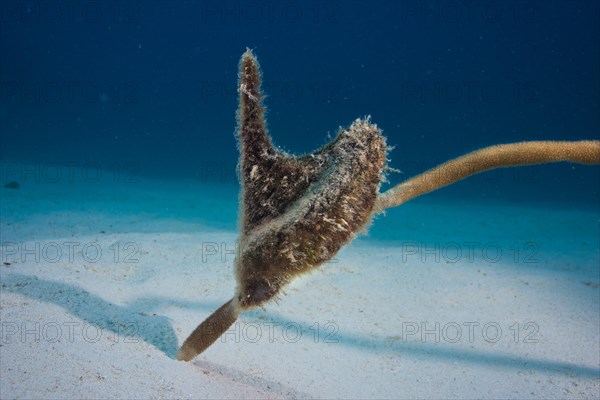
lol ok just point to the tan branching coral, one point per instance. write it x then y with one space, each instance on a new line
298 212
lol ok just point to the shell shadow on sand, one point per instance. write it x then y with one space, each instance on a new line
124 321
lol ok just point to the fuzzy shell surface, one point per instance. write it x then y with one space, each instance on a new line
298 212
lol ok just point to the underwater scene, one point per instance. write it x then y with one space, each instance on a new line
300 199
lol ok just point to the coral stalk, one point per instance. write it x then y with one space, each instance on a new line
499 156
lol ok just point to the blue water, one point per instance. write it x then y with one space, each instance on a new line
148 89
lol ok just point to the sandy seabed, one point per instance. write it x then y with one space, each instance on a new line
100 284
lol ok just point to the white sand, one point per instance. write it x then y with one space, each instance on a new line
76 327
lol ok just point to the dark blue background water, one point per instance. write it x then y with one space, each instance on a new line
150 87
